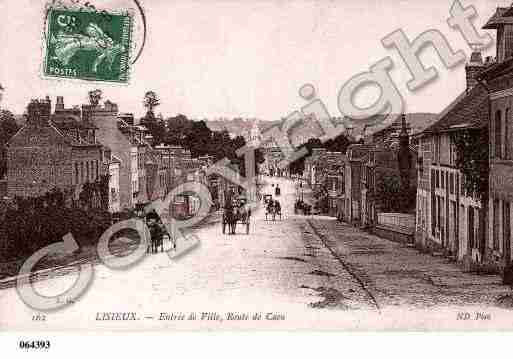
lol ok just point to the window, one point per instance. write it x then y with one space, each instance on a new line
437 149
438 212
433 215
452 153
441 223
498 134
506 230
451 183
506 134
470 228
496 234
77 180
442 182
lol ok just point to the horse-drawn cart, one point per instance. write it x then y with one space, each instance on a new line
272 210
236 212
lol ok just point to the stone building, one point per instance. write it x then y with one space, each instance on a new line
46 154
448 218
498 80
273 155
356 156
170 166
366 165
127 144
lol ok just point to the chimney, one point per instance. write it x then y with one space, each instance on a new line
474 67
38 112
59 104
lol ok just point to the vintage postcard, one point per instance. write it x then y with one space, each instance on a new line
264 165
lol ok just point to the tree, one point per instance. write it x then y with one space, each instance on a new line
298 166
176 130
338 144
8 127
157 129
472 159
388 188
391 197
198 138
95 96
151 100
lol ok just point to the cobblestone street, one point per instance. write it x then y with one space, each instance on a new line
309 270
398 275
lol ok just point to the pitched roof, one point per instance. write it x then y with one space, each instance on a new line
501 16
497 69
468 111
380 124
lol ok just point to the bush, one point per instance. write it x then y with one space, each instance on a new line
38 222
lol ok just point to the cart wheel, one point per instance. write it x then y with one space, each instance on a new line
247 228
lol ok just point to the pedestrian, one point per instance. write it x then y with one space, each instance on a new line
155 236
149 223
277 207
159 243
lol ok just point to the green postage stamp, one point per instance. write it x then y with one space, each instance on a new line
88 45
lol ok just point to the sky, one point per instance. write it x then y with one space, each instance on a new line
243 58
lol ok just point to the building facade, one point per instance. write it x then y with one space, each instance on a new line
498 80
449 219
127 143
44 155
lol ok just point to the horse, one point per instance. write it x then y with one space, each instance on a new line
230 218
270 210
277 209
243 215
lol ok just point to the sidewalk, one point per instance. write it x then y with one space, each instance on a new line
398 275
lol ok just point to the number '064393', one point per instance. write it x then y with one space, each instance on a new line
34 344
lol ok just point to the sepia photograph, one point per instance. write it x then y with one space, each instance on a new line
255 165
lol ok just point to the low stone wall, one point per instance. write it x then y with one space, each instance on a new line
400 220
393 233
398 227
